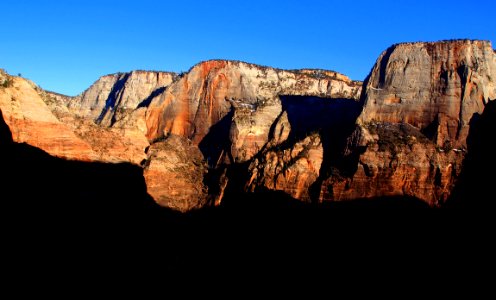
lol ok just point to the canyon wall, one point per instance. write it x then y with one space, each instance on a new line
315 135
436 87
420 101
31 121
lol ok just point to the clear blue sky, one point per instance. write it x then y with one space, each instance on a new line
65 46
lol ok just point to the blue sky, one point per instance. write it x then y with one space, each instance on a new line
65 46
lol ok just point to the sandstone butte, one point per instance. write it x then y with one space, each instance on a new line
315 135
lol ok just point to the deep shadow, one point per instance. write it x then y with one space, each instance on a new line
383 66
334 120
113 96
217 142
475 187
430 130
72 217
149 99
73 201
5 134
216 148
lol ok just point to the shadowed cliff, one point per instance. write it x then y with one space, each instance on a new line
474 191
74 216
55 195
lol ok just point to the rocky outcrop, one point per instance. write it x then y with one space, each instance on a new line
419 103
114 96
48 121
395 159
228 109
31 121
213 89
311 134
292 170
410 139
125 143
174 173
436 87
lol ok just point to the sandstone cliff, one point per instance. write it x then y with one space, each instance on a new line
292 170
312 134
31 121
419 103
228 110
223 109
436 87
174 173
213 89
111 97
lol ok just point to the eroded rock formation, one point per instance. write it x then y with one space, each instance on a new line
436 87
174 173
419 101
312 134
31 121
114 96
212 89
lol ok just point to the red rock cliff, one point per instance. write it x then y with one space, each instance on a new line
419 101
213 89
436 87
31 121
301 132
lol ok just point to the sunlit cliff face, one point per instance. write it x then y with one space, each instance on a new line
226 126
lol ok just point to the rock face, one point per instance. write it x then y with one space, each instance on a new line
395 159
228 109
312 134
113 96
174 174
436 87
123 143
31 121
223 110
292 170
212 90
419 102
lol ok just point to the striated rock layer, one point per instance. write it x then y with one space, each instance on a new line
212 90
229 126
31 121
223 109
292 170
228 109
436 87
174 173
420 101
113 96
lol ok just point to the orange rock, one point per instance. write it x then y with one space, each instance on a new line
292 170
174 174
212 89
31 121
436 87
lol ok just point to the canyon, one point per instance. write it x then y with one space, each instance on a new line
228 130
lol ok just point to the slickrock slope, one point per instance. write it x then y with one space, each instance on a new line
31 121
110 144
